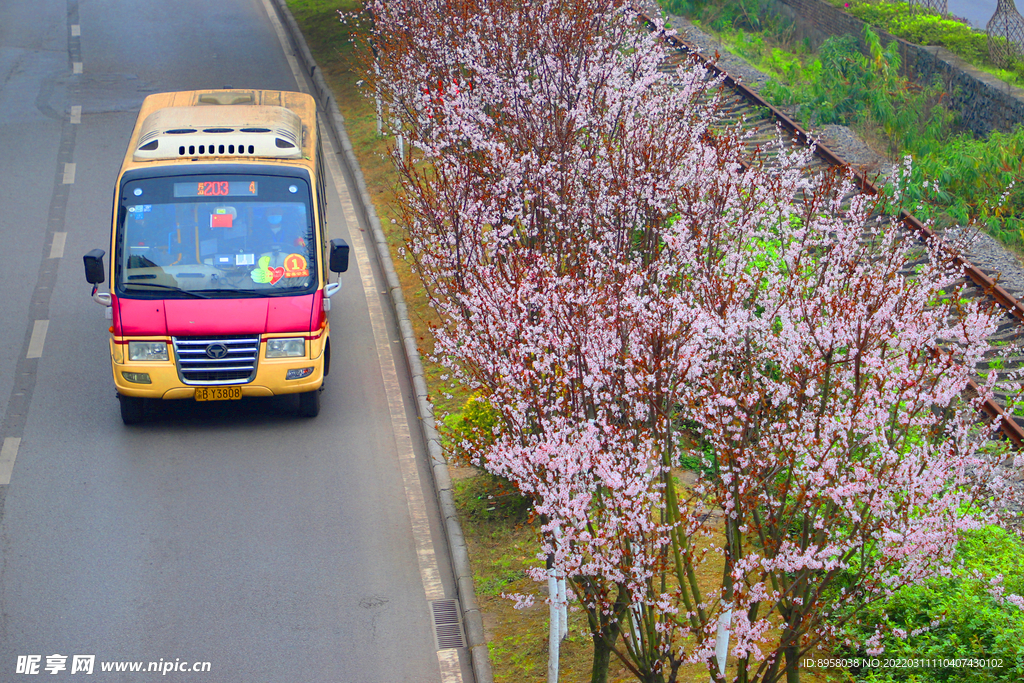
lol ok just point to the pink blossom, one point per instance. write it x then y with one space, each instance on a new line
621 295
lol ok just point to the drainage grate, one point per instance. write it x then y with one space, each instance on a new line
447 624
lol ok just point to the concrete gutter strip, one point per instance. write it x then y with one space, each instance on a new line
472 617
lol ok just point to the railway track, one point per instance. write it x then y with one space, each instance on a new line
742 105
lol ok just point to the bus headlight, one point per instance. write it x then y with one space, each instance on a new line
286 348
144 350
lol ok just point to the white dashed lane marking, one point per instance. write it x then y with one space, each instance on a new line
57 246
38 338
8 452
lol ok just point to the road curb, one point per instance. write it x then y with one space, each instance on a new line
472 617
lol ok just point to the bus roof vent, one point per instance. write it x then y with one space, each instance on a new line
228 97
233 132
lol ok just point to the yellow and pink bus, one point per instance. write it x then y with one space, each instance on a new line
220 258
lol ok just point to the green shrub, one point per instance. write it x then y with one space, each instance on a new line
843 86
956 617
474 426
726 15
979 181
926 27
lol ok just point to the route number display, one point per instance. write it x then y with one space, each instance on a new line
217 188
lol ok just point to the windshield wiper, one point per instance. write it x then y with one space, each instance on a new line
189 292
228 293
246 293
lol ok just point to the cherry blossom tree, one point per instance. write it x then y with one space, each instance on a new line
844 456
539 244
623 293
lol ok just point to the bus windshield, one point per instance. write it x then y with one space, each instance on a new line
217 235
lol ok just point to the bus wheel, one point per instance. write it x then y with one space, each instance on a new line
132 409
309 403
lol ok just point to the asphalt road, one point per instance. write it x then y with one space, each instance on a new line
276 549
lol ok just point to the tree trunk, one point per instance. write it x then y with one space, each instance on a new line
604 629
792 665
602 658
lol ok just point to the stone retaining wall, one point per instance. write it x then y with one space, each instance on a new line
985 102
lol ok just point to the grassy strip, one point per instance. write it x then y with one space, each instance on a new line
502 545
501 540
331 43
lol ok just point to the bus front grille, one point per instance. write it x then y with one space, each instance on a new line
216 360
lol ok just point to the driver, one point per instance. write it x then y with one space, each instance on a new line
279 232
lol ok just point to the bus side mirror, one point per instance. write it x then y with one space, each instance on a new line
339 255
94 267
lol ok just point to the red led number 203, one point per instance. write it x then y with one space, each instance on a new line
212 188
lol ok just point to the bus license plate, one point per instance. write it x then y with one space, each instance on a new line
218 393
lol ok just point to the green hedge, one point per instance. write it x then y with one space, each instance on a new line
956 617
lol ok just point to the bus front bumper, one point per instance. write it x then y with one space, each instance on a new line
164 383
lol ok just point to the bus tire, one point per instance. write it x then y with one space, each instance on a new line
309 403
133 409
